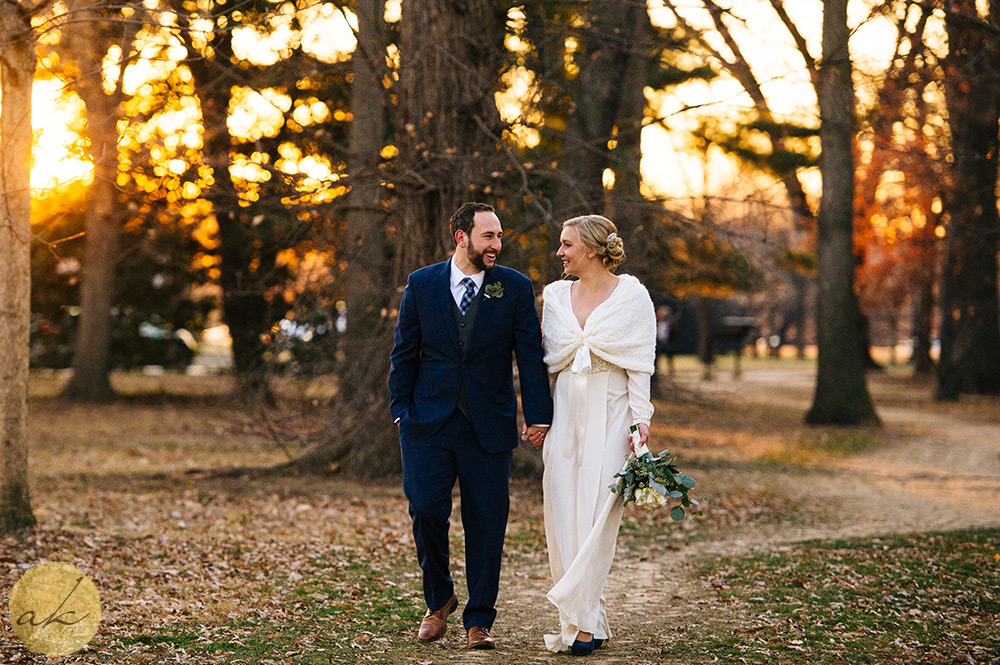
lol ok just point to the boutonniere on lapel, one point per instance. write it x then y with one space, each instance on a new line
494 290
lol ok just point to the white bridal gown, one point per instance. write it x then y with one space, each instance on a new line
586 446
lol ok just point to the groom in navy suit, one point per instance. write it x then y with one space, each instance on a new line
460 325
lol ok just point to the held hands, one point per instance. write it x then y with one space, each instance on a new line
535 435
643 436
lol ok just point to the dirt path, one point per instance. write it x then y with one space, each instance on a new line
933 467
936 467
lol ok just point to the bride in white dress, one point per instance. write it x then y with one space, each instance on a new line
600 340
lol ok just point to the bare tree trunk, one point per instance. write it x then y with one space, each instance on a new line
449 127
865 341
367 283
842 396
92 356
970 339
244 308
17 71
774 350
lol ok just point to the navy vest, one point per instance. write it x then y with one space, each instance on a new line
464 324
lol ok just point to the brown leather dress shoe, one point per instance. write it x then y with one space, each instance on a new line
434 624
479 638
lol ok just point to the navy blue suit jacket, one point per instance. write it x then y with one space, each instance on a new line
428 367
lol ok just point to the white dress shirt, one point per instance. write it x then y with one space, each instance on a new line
457 288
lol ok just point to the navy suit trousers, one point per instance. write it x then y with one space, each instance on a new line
430 468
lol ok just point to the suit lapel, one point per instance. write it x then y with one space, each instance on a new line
485 309
443 301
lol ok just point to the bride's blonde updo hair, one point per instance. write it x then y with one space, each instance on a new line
601 235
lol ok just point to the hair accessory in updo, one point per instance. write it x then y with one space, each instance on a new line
601 235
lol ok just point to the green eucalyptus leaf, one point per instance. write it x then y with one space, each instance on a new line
677 513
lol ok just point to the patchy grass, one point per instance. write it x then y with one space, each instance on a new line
850 443
927 598
343 609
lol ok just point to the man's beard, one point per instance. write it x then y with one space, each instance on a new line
476 259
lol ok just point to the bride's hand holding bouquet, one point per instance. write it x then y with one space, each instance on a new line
652 480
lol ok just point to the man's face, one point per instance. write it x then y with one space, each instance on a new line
482 244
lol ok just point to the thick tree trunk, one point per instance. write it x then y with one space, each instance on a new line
17 71
448 124
367 287
842 396
970 335
92 355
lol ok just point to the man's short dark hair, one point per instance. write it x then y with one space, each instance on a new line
464 217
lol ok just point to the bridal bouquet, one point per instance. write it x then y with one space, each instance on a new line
653 480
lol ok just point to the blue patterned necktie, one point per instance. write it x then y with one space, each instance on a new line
470 293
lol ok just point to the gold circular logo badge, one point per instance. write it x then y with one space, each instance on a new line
55 609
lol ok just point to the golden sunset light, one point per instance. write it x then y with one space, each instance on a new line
669 166
59 157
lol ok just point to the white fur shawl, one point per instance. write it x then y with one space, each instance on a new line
621 330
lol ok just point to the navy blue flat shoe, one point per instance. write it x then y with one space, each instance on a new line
582 648
598 643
